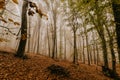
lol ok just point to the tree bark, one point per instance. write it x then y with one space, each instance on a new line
100 30
49 51
22 44
116 13
111 50
75 57
83 50
64 44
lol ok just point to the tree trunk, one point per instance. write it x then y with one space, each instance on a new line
116 11
49 51
54 44
22 44
87 46
75 57
93 36
111 50
54 49
100 30
60 52
90 54
97 50
105 56
83 50
29 35
113 55
38 45
64 44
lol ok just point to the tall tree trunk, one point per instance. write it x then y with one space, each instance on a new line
38 45
54 43
104 48
49 51
60 52
22 44
54 49
94 47
111 50
87 46
64 44
100 30
80 50
75 50
56 53
83 50
90 54
29 35
97 50
116 11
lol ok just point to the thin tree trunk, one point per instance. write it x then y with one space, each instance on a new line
49 51
29 34
22 44
88 54
75 57
60 42
94 47
97 50
83 50
38 48
64 44
54 49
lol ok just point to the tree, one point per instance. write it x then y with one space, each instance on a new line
116 12
87 44
73 23
23 40
100 31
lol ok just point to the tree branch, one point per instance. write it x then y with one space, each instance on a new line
8 30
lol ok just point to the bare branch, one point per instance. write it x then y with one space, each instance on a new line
12 13
8 30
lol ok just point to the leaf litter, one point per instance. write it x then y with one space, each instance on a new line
39 67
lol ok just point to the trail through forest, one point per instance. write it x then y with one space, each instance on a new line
36 68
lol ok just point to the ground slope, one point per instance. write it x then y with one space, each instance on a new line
35 68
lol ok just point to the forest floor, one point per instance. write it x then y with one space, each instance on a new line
36 68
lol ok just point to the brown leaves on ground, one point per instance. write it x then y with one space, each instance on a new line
35 68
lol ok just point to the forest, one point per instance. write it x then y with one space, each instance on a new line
59 39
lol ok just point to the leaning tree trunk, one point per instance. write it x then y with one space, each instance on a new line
22 44
100 29
111 45
116 11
